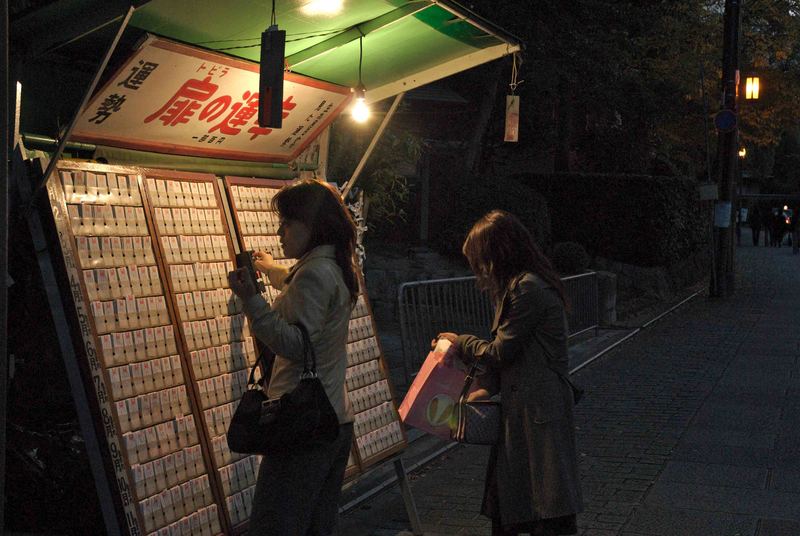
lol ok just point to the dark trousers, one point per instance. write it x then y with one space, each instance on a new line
297 493
756 235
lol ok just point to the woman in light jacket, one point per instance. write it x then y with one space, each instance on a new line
532 481
297 492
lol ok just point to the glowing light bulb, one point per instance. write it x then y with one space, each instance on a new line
360 110
323 7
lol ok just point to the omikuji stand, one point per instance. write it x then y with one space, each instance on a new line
165 347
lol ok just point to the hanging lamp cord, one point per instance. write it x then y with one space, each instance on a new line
273 19
360 55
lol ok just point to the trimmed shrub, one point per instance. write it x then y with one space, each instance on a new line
570 258
634 219
463 203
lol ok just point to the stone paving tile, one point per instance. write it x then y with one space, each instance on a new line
675 495
778 527
667 522
734 438
785 505
715 475
722 454
785 479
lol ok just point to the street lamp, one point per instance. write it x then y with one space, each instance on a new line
742 152
751 87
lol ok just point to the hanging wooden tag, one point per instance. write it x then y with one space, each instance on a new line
512 118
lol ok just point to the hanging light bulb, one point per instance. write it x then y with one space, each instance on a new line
360 109
324 8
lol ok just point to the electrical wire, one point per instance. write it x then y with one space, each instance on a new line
309 36
299 35
360 56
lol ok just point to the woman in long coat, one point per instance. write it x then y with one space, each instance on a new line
532 481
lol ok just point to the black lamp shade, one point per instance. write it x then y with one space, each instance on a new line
270 80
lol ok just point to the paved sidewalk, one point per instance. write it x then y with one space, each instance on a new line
690 428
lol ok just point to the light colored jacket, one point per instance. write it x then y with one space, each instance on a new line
536 460
315 295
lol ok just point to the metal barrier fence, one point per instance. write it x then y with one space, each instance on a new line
431 307
583 300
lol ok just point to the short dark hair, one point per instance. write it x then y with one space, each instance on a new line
499 248
319 205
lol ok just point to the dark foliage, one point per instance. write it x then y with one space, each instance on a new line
635 219
570 258
459 201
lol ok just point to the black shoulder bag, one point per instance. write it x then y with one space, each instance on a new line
298 420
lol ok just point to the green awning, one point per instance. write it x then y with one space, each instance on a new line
406 44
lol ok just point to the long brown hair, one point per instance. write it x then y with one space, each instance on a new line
319 205
499 248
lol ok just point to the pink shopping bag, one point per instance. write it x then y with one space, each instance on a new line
431 399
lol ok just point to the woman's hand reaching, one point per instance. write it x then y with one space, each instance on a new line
263 261
275 273
452 352
449 336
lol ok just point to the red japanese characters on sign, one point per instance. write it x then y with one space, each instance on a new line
182 100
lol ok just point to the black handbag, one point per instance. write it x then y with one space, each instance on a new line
298 420
477 421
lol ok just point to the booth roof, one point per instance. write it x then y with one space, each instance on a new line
406 43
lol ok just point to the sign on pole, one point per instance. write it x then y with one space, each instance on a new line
725 120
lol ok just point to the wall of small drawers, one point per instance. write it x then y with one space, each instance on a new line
152 250
139 345
192 230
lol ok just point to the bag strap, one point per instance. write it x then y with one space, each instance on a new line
468 381
251 380
563 377
308 348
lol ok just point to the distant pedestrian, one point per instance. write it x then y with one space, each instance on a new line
766 223
795 228
755 223
777 224
532 480
739 221
786 218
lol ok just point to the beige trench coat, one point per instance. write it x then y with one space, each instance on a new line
536 462
316 296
